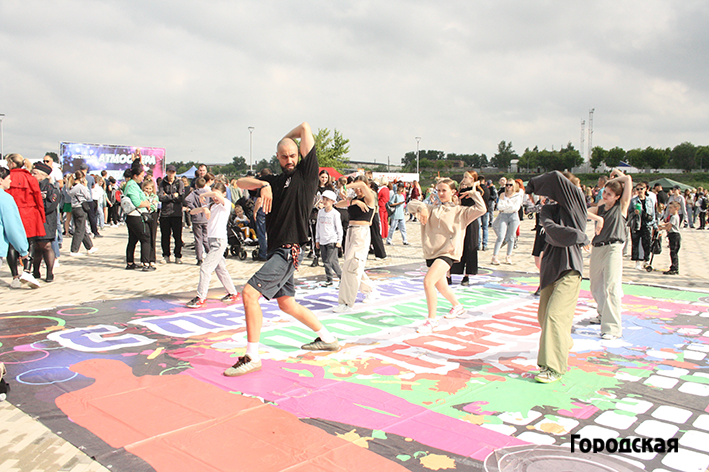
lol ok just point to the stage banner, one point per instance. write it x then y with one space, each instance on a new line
114 159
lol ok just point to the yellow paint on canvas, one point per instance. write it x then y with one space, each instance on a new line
437 462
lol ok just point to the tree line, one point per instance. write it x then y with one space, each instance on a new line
535 160
685 156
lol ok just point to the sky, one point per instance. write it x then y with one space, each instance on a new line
462 75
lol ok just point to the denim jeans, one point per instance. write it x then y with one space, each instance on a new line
506 228
484 224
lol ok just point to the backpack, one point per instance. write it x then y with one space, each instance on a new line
127 205
703 205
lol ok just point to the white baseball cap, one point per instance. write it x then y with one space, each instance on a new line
330 195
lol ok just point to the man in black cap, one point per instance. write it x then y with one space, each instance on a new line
172 196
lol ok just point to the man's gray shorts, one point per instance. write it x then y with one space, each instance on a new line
275 277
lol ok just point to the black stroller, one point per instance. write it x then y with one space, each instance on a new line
655 247
235 239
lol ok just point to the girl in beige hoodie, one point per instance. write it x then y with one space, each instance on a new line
442 233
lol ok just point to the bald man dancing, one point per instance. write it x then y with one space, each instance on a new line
286 199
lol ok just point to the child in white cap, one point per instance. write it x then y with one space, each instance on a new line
328 235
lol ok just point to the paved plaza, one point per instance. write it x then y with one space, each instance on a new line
389 400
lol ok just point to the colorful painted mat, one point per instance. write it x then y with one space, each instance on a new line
138 384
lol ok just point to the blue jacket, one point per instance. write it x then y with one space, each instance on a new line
11 227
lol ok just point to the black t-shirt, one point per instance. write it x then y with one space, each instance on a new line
287 223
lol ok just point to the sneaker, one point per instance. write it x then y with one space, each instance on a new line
199 262
29 279
370 297
342 308
77 254
178 260
93 250
56 263
428 326
389 243
131 266
671 272
243 366
16 283
196 302
608 337
407 244
595 321
231 298
455 312
319 345
639 265
547 375
495 261
315 262
166 260
508 260
465 282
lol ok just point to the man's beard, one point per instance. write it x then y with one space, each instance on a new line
287 171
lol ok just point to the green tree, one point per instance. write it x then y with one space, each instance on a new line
409 161
504 155
655 158
683 156
569 157
702 156
332 151
529 159
614 156
598 156
636 158
239 163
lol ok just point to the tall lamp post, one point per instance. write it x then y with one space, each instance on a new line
2 151
251 142
418 139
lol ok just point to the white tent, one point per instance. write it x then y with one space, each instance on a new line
190 173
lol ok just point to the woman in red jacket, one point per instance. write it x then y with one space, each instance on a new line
25 190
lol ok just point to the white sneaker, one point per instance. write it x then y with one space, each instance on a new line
165 260
508 259
27 278
56 263
495 261
342 308
370 297
15 283
76 254
639 265
93 250
455 312
428 326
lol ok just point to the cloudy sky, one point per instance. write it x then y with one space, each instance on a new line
463 75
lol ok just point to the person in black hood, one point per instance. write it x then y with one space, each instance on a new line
564 222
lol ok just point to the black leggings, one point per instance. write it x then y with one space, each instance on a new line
43 251
13 257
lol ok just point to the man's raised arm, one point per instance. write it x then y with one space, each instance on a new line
305 134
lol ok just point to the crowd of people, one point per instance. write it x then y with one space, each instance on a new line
305 210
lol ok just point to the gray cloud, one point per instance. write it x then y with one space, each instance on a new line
191 77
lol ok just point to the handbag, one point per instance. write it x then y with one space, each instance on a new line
86 206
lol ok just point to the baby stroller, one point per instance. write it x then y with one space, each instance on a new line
655 247
235 239
530 209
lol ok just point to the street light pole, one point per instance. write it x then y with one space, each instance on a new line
251 142
2 151
418 139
